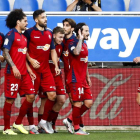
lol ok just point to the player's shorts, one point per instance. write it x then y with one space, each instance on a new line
138 88
67 88
45 81
59 87
23 86
76 91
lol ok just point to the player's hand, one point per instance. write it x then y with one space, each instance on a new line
2 58
16 72
136 60
80 34
57 71
32 75
34 63
89 81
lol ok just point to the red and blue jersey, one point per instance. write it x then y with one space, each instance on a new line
59 49
78 63
1 40
16 43
39 45
65 54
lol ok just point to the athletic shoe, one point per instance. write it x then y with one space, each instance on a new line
81 132
68 125
33 131
41 130
9 132
45 127
55 131
84 129
50 126
20 128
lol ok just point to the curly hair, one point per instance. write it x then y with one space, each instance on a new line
13 17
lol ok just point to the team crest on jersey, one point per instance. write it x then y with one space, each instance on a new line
23 50
66 53
44 48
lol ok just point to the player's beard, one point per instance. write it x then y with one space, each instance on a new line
43 25
68 33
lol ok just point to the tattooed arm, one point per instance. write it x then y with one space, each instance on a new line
77 49
8 58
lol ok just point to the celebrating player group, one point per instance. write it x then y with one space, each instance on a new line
33 68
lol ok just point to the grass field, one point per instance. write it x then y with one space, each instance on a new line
63 135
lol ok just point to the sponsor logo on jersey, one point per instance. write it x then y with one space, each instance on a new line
36 36
6 41
66 53
44 48
18 39
84 59
22 50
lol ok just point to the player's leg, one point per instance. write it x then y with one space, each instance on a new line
11 87
29 92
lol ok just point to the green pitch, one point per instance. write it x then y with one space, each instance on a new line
63 135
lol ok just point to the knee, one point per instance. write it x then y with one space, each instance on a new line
60 103
138 100
31 97
89 104
52 96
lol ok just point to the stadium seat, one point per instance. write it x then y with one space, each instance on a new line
134 5
54 5
4 5
112 5
26 5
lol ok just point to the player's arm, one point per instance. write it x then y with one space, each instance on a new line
2 58
88 78
8 58
92 4
77 49
72 5
33 62
32 75
55 60
136 59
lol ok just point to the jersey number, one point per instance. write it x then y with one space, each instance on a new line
81 91
14 87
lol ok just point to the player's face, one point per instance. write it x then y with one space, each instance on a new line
42 20
58 38
85 32
67 28
23 24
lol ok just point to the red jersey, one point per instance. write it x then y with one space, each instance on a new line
59 49
78 63
39 45
16 43
1 40
65 54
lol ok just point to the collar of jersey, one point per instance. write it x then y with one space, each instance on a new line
37 29
15 30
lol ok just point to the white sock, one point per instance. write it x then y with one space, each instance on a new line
31 126
42 121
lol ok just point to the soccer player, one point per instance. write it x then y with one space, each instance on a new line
69 26
78 77
16 77
137 60
1 44
58 35
40 44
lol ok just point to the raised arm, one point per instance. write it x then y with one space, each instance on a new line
72 5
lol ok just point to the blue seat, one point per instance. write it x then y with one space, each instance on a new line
26 5
4 5
54 5
112 5
134 5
